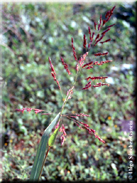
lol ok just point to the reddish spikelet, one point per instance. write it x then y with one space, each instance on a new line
104 21
96 63
92 36
52 69
88 64
77 67
62 129
96 136
91 39
21 110
90 67
30 109
102 62
58 84
97 37
86 126
112 9
72 40
38 110
73 48
104 32
51 66
110 12
69 93
81 60
101 54
65 65
87 86
84 41
81 114
57 125
98 77
100 84
99 40
106 61
99 25
108 15
105 41
53 73
62 139
110 26
89 31
91 130
78 125
95 25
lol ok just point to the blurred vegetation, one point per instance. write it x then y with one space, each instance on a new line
32 33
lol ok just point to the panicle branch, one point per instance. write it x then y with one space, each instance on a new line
84 41
65 65
98 77
32 109
88 85
85 126
53 73
73 48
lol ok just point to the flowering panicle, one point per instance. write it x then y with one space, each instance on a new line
53 73
81 63
65 65
73 48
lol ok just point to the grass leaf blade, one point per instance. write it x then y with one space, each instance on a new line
39 159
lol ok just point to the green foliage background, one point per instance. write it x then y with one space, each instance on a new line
31 34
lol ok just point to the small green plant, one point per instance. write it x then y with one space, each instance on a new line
50 133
